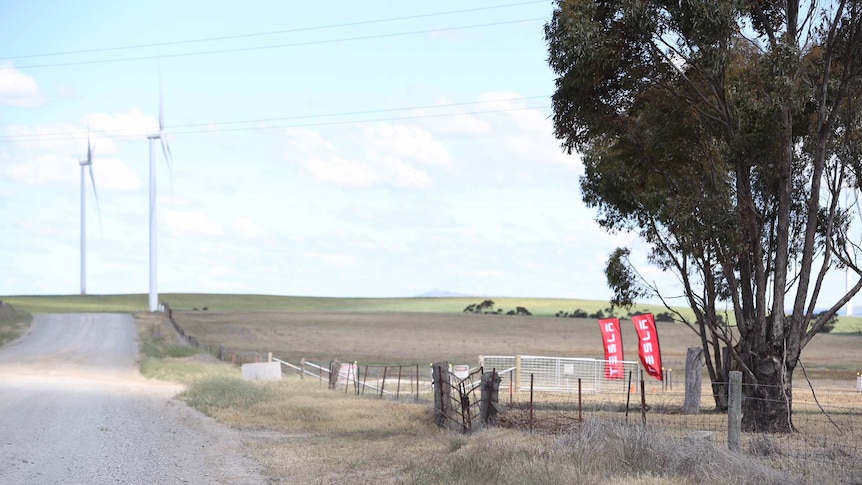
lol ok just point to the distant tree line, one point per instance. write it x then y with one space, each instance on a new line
609 313
487 307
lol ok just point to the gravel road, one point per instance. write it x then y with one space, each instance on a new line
75 410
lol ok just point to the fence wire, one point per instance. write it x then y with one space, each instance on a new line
827 430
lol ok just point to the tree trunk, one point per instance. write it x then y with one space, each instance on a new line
766 405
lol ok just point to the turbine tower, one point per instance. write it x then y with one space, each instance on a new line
86 164
162 136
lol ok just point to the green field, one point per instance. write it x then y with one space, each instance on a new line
271 303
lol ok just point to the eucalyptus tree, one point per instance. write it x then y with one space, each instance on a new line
724 132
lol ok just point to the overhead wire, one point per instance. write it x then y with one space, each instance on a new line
262 123
269 33
266 47
225 125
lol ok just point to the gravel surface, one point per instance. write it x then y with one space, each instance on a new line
74 409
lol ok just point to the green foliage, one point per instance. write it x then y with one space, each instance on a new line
724 133
487 307
829 325
623 279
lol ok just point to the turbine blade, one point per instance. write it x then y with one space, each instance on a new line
169 159
161 105
96 194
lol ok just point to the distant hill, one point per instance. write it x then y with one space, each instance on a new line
442 294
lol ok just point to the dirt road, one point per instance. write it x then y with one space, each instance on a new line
74 409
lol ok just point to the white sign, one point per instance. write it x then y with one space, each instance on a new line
262 371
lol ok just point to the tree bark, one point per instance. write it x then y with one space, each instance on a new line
766 405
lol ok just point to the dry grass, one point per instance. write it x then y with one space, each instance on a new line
407 338
304 433
13 323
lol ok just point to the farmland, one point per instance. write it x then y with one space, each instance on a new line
304 433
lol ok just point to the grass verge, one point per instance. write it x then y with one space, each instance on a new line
13 323
302 432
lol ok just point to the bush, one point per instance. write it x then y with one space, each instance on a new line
830 324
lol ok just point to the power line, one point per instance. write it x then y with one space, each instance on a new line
301 117
195 128
352 122
271 46
268 33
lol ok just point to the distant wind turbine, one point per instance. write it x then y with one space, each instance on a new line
86 163
166 150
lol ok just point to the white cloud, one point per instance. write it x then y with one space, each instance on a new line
334 259
18 89
247 228
383 154
192 222
405 142
132 123
40 160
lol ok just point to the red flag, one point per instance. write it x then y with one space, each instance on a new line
613 340
648 348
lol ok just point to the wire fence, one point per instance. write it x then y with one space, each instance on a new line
552 394
827 424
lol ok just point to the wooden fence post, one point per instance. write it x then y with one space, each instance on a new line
643 398
693 376
490 400
334 370
442 401
734 410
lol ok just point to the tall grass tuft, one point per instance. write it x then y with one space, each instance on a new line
593 452
13 323
214 393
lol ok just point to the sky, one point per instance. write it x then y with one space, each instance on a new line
362 149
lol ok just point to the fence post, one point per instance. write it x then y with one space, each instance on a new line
580 402
693 375
643 398
628 396
334 370
440 375
398 386
517 372
531 403
490 400
734 410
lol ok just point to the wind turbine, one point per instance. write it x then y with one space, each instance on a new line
86 163
166 150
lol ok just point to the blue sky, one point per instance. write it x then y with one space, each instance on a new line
319 149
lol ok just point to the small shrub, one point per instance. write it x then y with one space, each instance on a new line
830 324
